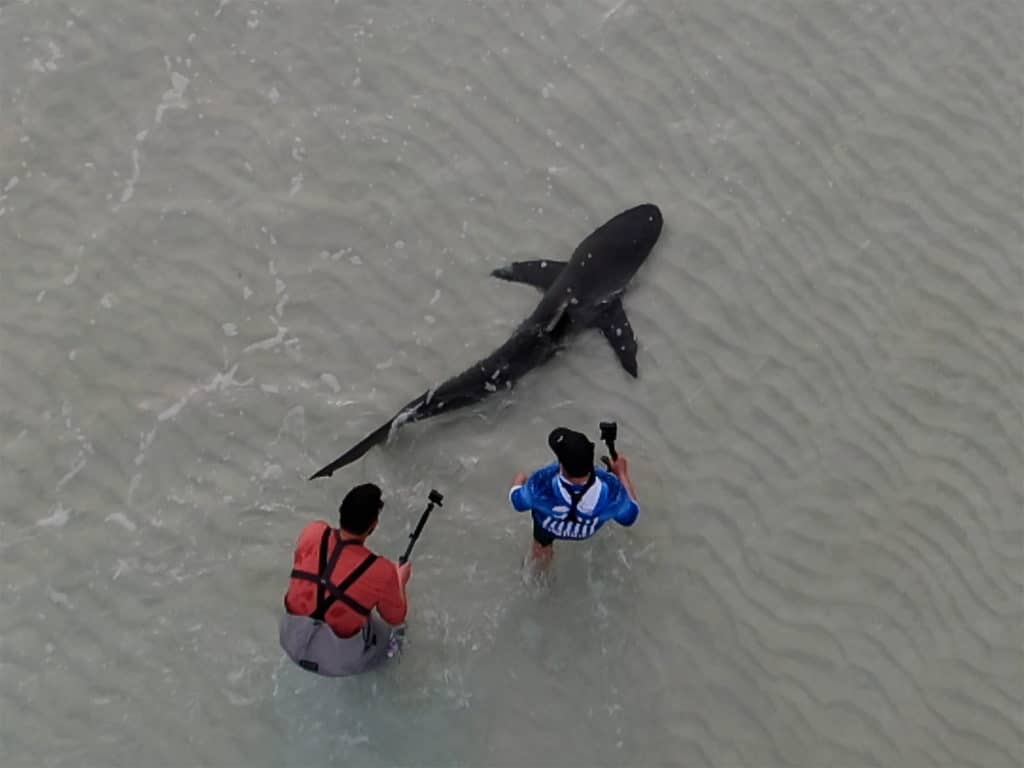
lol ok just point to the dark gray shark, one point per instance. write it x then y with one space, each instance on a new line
584 292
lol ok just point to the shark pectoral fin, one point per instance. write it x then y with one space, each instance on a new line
540 274
616 328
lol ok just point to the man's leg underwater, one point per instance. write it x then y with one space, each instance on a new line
541 555
542 550
383 641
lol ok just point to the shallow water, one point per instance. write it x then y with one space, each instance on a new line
235 237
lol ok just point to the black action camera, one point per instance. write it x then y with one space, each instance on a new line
434 497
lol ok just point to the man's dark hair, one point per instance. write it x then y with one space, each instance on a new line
360 508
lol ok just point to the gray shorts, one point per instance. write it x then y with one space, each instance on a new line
313 645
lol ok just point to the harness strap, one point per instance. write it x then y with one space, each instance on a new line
338 592
575 497
324 585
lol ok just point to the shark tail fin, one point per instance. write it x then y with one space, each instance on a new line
380 435
376 437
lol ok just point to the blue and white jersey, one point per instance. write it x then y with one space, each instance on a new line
546 494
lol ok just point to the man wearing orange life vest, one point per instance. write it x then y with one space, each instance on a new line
329 625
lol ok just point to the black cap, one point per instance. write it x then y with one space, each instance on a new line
574 451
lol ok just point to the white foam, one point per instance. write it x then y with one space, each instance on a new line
121 519
58 519
174 97
129 188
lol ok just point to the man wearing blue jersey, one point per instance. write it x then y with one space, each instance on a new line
571 498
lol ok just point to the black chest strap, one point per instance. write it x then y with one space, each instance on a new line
328 593
576 496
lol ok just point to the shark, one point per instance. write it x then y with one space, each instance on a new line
582 293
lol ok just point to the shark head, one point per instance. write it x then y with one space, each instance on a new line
604 263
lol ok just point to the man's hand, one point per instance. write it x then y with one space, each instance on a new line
620 468
519 479
404 573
